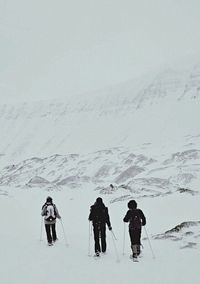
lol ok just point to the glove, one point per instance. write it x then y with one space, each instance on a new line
110 228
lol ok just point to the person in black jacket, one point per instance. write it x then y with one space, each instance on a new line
99 217
136 220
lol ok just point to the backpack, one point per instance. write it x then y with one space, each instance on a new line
99 214
135 220
50 213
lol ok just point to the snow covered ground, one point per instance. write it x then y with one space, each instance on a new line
27 259
142 137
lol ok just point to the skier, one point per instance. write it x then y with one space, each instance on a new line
50 213
136 220
99 217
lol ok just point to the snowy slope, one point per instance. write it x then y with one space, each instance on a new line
162 110
143 137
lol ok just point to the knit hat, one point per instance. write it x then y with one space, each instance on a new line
49 199
132 204
99 200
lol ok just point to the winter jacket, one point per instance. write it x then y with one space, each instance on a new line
99 215
43 213
136 218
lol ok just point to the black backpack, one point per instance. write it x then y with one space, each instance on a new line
99 214
135 220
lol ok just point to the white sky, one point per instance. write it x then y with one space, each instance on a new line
54 48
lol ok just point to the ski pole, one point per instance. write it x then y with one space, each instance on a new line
64 234
124 235
115 247
89 241
41 228
113 235
149 243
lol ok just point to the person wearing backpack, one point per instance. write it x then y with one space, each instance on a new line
99 217
136 220
50 213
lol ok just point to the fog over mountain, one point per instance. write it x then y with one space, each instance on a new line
162 110
63 48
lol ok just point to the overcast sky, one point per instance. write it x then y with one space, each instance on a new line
54 48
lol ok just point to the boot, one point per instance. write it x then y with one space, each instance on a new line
97 253
138 250
134 250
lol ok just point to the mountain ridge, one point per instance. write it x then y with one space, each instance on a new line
138 112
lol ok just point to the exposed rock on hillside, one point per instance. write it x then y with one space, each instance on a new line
187 233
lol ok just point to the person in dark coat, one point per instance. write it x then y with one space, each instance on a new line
99 217
136 220
50 213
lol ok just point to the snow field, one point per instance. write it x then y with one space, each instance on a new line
26 259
